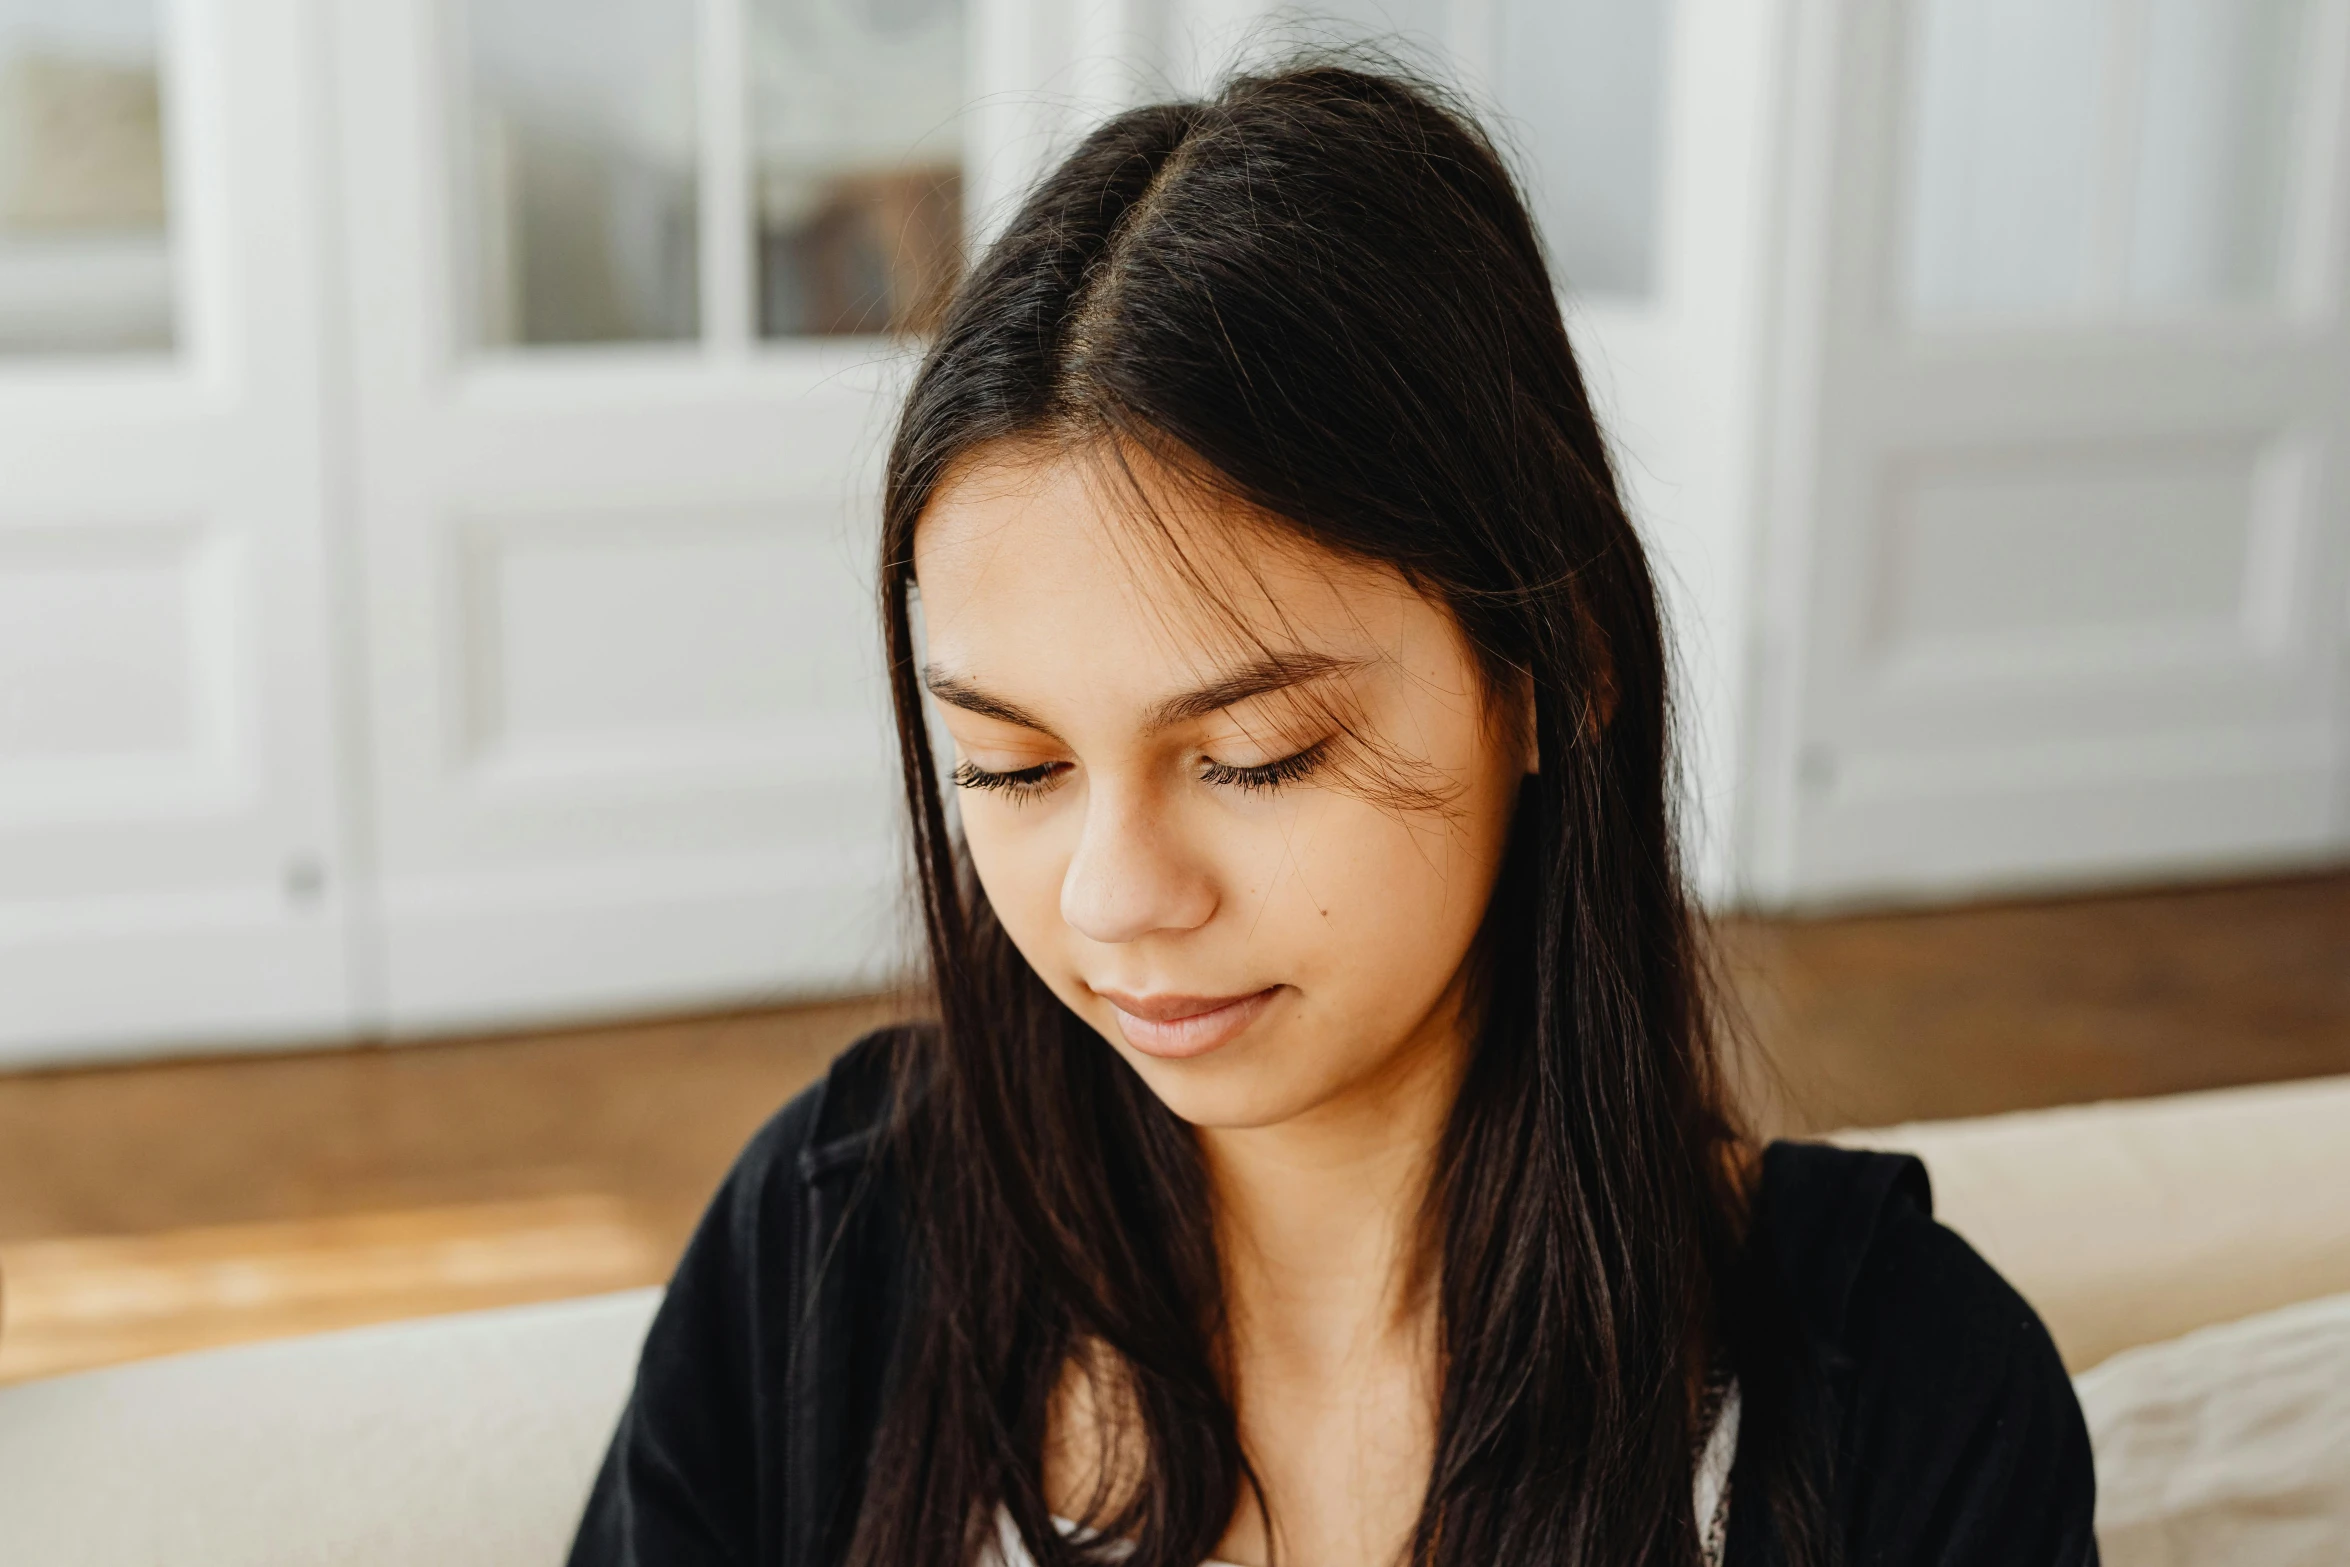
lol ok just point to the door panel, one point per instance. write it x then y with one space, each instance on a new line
2068 531
171 850
629 738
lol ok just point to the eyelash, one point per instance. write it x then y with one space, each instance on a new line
1271 775
1021 784
1028 782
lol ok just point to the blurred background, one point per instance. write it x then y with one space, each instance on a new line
445 800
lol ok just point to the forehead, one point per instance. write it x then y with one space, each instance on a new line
1097 558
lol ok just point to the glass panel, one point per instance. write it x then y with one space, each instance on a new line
580 172
1582 83
85 254
2085 158
2208 221
2004 156
857 161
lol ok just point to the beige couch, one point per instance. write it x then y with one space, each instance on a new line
2192 1258
2130 1223
470 1440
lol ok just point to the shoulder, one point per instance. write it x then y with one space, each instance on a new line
1840 1225
1956 1434
744 1253
833 1125
1871 1277
757 1364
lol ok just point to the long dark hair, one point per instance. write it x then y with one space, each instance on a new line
1320 289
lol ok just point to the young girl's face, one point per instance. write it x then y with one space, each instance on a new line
1239 801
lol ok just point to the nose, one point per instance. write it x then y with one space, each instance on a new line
1130 876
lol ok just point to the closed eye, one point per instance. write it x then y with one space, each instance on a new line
1268 775
1024 783
1021 783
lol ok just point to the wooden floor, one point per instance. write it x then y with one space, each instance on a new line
1874 1020
149 1209
153 1208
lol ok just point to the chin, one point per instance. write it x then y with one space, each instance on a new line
1224 1091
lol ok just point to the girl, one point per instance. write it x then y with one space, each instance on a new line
1320 1154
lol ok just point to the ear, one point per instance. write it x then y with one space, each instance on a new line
1599 705
1599 668
1599 702
1531 734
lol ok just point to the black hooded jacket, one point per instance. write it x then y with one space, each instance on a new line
1953 1435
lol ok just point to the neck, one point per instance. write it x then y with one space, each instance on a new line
1318 1218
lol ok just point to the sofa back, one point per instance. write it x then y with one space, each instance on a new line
464 1441
2136 1221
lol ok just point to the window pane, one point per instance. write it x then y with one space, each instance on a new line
85 255
2213 164
2004 155
580 171
2086 158
857 161
1583 85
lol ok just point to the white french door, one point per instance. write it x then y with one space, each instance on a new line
172 847
619 441
626 743
2061 526
439 443
582 299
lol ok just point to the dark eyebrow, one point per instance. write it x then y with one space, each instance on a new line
955 691
1261 677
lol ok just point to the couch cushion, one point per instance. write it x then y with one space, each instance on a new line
2134 1222
2229 1445
458 1441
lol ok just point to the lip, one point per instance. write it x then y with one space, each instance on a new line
1177 1028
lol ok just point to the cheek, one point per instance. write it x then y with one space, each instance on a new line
1020 861
1394 902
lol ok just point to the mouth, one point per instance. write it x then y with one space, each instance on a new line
1177 1028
